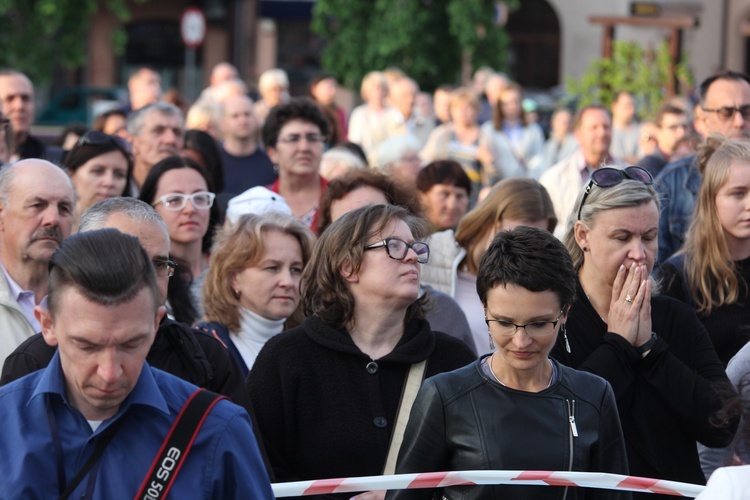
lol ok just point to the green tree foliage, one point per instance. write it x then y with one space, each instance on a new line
37 34
641 71
424 38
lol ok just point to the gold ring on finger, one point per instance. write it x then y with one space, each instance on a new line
628 299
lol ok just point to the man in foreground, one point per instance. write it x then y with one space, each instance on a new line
100 412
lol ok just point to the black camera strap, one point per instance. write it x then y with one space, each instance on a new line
177 444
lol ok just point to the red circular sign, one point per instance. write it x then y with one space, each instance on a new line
193 27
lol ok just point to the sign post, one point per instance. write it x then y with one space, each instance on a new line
193 32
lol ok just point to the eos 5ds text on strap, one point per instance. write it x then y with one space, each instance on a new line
177 445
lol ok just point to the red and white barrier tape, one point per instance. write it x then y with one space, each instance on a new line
488 477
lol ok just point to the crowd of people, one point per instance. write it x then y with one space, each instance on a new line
426 282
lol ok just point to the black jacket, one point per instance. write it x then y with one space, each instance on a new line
325 409
666 399
464 420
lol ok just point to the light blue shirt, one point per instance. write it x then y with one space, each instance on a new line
224 461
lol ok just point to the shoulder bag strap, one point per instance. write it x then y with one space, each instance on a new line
101 445
411 388
177 444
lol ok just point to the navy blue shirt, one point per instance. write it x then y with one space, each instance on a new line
244 172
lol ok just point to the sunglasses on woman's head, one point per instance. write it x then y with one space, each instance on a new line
608 177
96 138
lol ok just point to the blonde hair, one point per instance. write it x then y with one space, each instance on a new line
628 193
203 115
516 198
239 246
373 78
463 95
709 268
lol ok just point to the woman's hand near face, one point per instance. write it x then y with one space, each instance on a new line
644 321
625 316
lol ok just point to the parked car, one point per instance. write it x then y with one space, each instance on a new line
80 104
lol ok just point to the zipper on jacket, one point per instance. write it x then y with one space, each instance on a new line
573 434
572 419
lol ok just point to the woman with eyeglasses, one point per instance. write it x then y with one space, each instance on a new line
252 286
517 409
653 350
181 192
328 392
100 166
453 269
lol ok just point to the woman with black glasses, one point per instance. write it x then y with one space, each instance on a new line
517 409
100 166
653 350
181 191
328 393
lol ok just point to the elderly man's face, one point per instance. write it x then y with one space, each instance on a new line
38 213
159 138
102 347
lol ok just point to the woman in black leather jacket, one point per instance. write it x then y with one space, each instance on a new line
517 409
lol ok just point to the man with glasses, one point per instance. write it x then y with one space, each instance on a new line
17 104
672 125
724 108
36 214
295 135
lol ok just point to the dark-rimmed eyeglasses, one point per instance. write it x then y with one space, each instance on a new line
202 200
397 249
96 138
726 113
533 329
164 267
608 177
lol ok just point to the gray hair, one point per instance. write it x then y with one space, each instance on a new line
95 217
7 176
9 172
394 148
273 77
338 160
629 193
137 117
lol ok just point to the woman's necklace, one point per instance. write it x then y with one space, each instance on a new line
551 376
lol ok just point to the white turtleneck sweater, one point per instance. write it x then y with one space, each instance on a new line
254 332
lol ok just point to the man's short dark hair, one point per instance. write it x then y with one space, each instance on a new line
443 172
299 108
667 109
105 266
528 257
723 75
